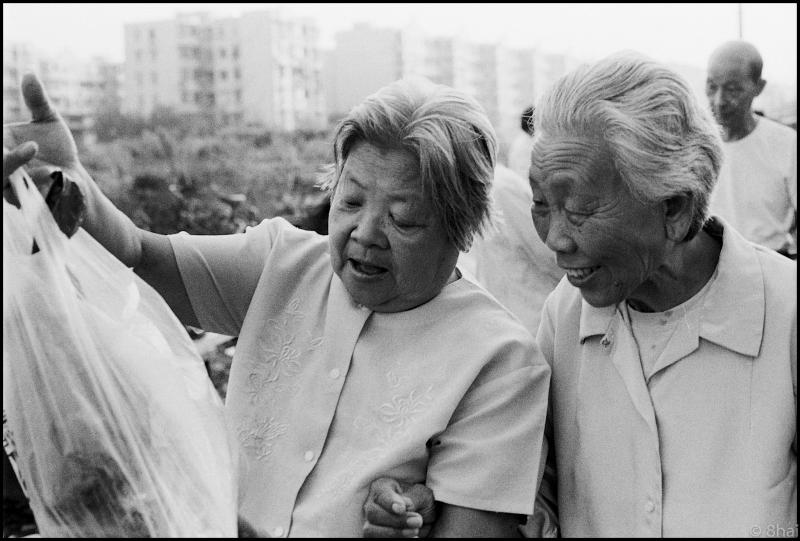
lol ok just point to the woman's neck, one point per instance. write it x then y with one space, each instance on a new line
682 275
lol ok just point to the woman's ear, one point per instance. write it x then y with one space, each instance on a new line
678 211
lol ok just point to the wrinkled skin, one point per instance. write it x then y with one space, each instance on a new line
388 245
609 243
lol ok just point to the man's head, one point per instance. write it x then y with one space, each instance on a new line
733 81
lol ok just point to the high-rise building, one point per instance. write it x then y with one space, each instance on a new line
78 88
168 64
366 58
504 81
259 69
17 58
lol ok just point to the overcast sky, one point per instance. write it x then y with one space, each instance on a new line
677 33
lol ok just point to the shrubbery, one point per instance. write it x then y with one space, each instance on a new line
171 174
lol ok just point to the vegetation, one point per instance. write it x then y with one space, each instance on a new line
173 174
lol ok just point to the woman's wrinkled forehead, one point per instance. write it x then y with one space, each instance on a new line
582 155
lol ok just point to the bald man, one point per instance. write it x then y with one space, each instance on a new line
757 188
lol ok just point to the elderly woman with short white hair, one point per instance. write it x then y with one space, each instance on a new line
672 339
365 353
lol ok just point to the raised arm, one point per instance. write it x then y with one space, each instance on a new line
45 143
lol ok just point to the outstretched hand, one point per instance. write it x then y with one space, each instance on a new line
397 509
46 127
54 145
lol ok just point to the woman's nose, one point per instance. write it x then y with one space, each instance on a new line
558 236
369 230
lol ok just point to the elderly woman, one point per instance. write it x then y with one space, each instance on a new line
672 339
364 353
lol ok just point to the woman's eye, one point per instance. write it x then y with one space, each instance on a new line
404 223
351 203
576 218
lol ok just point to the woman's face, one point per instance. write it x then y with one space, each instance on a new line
388 245
607 241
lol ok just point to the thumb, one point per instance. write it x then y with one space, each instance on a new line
424 502
36 98
386 493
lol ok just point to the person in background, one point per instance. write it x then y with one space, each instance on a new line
362 353
757 188
510 260
672 338
519 152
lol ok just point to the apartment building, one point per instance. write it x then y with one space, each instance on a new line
503 80
78 88
168 64
17 58
366 58
260 69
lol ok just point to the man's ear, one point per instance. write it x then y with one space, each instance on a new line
760 84
678 211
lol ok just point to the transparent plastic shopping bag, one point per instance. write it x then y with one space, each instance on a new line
118 429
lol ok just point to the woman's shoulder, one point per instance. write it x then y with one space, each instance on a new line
486 317
279 234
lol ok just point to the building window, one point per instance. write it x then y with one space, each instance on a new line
152 34
222 53
154 77
237 74
223 75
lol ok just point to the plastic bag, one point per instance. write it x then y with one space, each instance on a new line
118 429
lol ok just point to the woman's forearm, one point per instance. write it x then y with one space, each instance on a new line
108 225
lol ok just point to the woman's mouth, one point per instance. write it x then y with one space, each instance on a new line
580 274
366 269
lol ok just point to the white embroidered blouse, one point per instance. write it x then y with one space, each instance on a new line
325 395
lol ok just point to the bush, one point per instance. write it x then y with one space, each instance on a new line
167 180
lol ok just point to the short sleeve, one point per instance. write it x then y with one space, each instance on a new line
489 457
221 272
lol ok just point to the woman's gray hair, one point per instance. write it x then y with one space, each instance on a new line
662 142
450 134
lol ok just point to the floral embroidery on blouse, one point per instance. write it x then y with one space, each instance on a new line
256 436
283 353
401 410
395 415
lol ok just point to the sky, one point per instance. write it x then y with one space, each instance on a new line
675 33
